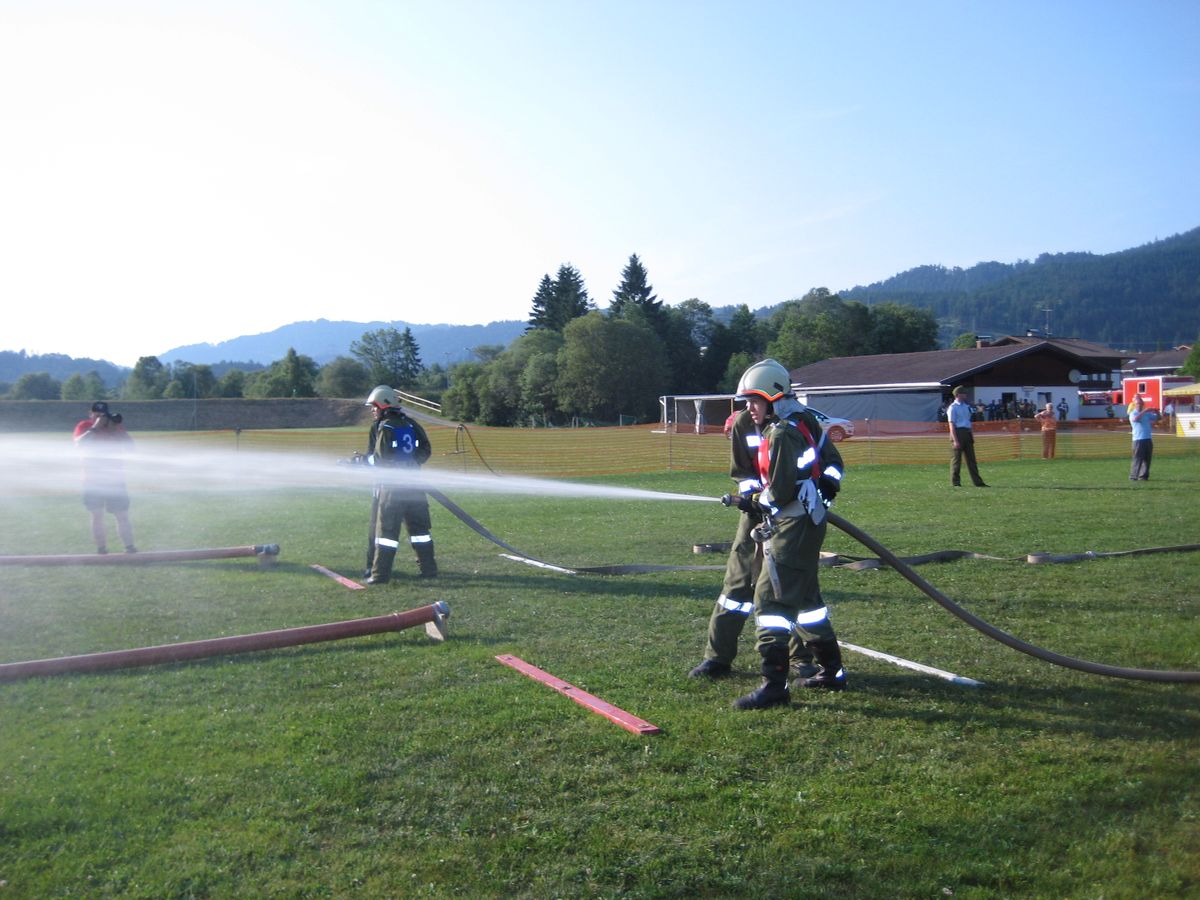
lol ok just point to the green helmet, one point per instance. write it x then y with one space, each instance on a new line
767 379
383 396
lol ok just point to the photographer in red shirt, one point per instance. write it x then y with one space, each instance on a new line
103 441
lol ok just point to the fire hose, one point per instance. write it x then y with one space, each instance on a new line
432 616
1069 662
887 557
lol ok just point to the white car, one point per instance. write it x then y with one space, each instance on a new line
838 429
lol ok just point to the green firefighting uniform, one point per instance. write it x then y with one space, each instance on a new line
802 475
736 601
398 442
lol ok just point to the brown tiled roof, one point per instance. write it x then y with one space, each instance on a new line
1085 349
930 368
1163 359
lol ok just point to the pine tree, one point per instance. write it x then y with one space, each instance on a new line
543 304
635 291
559 301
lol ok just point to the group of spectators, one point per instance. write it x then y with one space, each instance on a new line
1004 411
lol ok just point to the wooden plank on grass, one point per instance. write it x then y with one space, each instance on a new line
340 579
626 720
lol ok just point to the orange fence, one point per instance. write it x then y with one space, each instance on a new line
578 452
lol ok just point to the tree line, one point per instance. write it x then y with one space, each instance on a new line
575 362
1142 298
386 356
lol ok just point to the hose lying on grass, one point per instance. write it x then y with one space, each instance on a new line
995 633
886 557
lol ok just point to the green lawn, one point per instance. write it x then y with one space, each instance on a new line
392 765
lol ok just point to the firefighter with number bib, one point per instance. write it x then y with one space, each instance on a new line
801 473
396 442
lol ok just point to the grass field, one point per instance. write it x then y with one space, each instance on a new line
394 766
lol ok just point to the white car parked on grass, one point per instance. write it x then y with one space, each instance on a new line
837 428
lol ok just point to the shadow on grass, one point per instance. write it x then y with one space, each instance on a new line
1103 709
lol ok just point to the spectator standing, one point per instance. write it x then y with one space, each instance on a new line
1063 409
1141 420
103 441
1049 430
962 439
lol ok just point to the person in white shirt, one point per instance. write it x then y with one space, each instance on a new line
963 439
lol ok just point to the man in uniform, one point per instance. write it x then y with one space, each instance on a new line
736 601
801 473
963 440
396 442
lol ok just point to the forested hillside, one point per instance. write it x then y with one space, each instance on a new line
1143 298
15 363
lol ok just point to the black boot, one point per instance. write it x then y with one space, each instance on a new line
803 665
381 565
774 688
831 676
425 560
710 668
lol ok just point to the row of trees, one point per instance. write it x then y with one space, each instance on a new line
386 356
573 362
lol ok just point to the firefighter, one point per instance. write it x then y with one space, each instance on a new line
396 442
801 474
736 600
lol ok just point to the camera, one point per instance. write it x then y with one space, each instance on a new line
116 418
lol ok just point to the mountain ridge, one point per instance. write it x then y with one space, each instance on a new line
324 340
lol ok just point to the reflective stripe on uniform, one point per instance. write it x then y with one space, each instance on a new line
833 472
813 616
735 605
807 458
387 542
773 623
753 440
749 486
420 538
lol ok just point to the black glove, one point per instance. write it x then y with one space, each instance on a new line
829 487
746 503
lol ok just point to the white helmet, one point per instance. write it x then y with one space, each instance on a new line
383 396
767 379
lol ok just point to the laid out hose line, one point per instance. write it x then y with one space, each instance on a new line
463 516
995 633
889 558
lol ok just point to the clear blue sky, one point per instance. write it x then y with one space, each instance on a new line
173 173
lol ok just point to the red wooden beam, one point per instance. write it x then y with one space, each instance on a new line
626 720
340 579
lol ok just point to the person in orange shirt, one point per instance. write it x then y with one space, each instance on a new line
1049 421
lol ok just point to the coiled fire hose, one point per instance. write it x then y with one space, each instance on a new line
995 633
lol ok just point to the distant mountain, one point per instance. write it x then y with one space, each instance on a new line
15 363
1144 298
324 341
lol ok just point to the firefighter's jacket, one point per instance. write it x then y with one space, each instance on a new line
397 440
799 466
